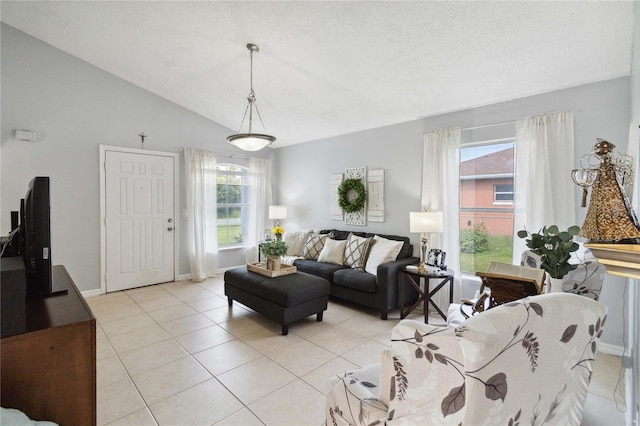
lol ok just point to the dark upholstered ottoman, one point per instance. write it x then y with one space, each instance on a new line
283 299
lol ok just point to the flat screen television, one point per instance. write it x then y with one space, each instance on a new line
36 238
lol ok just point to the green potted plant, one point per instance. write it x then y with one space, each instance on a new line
554 248
272 250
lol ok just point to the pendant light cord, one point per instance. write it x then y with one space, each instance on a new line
251 99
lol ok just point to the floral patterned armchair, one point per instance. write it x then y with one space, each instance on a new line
527 361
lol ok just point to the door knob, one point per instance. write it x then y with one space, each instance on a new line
170 228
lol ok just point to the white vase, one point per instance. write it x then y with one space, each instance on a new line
555 285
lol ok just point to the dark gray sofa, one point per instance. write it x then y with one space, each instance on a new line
380 291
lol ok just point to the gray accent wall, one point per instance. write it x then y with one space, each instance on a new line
601 110
304 172
74 107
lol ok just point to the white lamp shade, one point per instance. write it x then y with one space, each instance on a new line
424 222
277 212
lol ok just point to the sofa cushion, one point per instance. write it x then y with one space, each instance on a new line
406 251
355 279
333 251
313 246
382 251
336 234
324 270
356 251
295 242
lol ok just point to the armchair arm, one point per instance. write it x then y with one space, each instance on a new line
352 398
388 275
428 380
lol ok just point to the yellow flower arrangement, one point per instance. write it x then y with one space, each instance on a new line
277 231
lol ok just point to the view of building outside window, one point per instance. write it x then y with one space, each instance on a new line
233 204
486 205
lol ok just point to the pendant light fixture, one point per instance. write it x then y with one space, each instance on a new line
251 141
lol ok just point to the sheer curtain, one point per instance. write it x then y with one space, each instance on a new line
200 182
259 201
544 193
441 188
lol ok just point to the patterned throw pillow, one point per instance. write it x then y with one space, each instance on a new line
313 246
356 251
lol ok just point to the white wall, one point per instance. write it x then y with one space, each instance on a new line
75 107
602 110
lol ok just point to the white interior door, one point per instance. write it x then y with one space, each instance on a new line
139 222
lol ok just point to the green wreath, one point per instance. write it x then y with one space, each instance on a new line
352 205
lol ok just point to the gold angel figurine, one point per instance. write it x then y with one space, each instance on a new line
610 216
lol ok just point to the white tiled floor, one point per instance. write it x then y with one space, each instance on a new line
175 354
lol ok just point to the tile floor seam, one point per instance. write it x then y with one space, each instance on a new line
146 403
213 376
130 376
135 386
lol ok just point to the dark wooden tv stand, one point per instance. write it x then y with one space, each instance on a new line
49 371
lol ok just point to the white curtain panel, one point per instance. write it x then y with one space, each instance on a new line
259 200
544 193
440 192
200 181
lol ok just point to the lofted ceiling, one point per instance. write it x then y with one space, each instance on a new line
332 68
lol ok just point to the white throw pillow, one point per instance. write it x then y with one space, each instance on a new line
295 241
382 251
333 251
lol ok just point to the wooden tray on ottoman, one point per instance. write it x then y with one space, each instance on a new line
260 268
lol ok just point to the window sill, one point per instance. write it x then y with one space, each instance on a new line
229 248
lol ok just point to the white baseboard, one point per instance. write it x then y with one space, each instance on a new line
222 270
607 348
184 277
91 293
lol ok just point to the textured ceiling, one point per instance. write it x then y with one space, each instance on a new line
331 68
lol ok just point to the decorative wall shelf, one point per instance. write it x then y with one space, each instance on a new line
619 259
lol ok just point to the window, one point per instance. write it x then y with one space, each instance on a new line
486 203
232 187
503 193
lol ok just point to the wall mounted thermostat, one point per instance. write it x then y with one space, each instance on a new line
26 135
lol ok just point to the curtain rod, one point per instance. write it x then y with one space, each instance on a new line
488 125
506 122
225 154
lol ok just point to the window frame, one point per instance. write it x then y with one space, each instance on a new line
224 169
496 192
500 206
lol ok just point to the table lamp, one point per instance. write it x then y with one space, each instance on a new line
425 223
277 213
